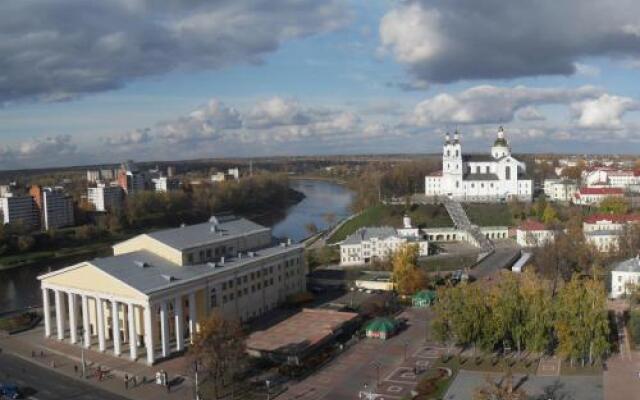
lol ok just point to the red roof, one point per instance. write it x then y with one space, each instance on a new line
602 191
592 219
532 225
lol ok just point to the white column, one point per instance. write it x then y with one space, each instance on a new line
102 345
59 314
115 322
164 328
179 322
73 320
86 325
148 335
46 310
133 337
193 317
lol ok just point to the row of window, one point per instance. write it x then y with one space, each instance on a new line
210 254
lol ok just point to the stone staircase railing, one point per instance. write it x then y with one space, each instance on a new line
461 221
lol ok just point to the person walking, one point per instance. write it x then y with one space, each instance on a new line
75 369
126 382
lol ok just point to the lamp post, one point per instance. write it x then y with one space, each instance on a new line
197 391
82 331
268 384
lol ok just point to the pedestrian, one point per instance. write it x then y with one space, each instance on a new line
75 369
33 354
53 363
126 382
135 381
168 387
41 354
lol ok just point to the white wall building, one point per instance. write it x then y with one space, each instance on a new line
494 177
563 190
20 209
165 184
231 174
593 196
625 277
379 243
612 177
149 300
533 233
105 197
57 208
604 231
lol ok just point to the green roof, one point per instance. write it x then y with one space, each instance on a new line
500 142
426 295
381 324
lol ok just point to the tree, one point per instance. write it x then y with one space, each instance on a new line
537 310
581 323
503 389
311 228
25 243
614 205
407 276
549 216
219 349
507 313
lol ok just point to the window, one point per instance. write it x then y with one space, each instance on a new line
230 284
224 285
208 254
507 172
213 298
478 169
201 253
487 169
245 279
190 258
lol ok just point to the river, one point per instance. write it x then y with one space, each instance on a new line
19 287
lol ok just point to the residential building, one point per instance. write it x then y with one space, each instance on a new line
497 176
149 299
625 277
379 243
603 231
57 208
130 178
104 174
231 174
165 184
20 209
611 177
562 190
592 196
105 197
532 233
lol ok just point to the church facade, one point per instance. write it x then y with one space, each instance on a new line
497 176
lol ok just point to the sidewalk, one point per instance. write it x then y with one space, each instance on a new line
63 357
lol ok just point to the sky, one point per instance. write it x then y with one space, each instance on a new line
98 82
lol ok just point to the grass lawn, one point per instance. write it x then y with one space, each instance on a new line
579 370
445 264
486 363
488 214
433 385
429 216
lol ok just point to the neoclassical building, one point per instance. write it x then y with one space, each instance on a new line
497 176
148 299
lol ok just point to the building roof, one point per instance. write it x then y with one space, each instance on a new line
148 273
600 190
381 324
300 332
199 234
368 233
481 177
478 157
532 225
630 265
620 219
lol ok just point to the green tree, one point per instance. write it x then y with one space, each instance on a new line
507 313
538 312
549 216
581 323
614 205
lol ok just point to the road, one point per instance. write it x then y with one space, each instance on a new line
39 383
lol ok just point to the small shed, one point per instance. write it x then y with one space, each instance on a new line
381 328
423 298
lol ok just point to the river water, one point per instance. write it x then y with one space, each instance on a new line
19 287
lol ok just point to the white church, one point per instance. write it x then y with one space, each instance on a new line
477 177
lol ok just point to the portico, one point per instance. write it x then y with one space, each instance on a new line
151 329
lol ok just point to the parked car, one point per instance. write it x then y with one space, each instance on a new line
9 391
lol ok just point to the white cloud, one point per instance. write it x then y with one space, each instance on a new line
445 41
93 46
530 113
587 70
491 104
604 112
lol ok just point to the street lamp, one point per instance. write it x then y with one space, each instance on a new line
83 331
197 391
268 383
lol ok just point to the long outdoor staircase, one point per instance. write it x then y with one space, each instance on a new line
461 221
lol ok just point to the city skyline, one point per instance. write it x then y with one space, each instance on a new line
287 78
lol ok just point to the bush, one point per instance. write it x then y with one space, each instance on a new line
634 325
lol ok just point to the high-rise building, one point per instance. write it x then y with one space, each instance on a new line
165 184
57 208
105 197
130 178
20 209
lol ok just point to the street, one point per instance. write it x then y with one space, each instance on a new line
39 383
